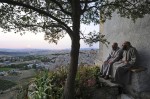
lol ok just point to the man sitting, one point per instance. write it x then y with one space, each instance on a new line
121 68
114 56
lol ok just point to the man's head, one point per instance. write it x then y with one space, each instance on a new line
115 46
126 45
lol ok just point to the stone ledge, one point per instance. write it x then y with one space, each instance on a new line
145 95
112 89
108 82
137 69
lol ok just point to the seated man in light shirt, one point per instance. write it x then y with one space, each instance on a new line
113 57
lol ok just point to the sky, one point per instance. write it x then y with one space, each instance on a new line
36 41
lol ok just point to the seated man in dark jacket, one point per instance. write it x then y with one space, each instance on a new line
121 68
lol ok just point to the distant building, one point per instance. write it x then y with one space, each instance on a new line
3 73
30 65
7 62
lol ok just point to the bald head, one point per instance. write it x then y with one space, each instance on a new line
126 45
115 46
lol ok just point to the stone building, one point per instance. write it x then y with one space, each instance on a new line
120 29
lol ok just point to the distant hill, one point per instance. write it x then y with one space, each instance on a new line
13 53
25 52
21 50
88 48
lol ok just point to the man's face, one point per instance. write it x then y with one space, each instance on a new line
114 47
125 46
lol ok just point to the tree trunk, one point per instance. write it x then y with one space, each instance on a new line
69 92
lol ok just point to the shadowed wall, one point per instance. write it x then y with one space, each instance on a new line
121 29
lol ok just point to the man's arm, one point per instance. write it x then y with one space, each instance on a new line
109 56
118 56
133 53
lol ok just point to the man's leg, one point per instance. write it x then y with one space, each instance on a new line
114 68
103 70
109 71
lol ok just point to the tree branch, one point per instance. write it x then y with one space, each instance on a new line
84 9
62 9
39 11
90 1
115 4
32 25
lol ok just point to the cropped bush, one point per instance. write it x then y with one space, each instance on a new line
50 85
86 82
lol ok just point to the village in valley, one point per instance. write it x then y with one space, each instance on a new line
13 64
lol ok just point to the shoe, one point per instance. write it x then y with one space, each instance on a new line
106 77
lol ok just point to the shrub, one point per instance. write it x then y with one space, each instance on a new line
86 82
50 85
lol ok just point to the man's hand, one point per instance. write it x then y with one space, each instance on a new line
106 62
110 62
126 62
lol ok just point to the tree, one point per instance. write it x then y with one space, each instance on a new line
58 17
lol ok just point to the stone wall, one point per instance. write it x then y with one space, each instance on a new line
121 29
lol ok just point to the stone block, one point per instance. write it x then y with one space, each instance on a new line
145 95
139 83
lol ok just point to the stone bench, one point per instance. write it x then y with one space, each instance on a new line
136 69
138 78
137 82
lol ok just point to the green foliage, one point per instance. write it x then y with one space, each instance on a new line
23 65
94 37
36 16
45 59
5 69
132 9
50 85
86 82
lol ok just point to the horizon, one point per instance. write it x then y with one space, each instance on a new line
42 49
30 40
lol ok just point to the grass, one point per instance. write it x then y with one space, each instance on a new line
4 84
5 69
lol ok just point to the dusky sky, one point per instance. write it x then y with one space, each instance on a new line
36 41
